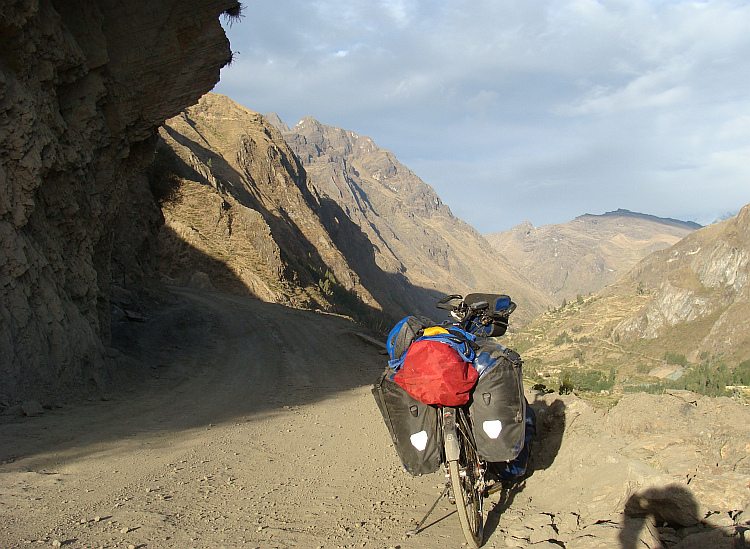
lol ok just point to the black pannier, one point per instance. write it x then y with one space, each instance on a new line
500 307
498 406
413 426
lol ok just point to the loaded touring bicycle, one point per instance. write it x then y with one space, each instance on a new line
452 399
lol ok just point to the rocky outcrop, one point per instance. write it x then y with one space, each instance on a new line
83 88
703 277
592 251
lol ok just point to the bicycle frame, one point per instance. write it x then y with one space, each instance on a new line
461 458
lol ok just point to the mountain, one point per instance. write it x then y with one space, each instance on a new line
700 283
244 217
691 300
592 251
412 232
256 199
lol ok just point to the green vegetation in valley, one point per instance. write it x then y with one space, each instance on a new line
708 378
577 379
675 358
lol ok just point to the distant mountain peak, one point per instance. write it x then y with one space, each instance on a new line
622 212
591 251
277 122
306 123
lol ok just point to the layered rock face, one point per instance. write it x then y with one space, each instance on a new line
83 88
702 281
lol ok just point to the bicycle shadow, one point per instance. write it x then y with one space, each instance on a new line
550 430
508 494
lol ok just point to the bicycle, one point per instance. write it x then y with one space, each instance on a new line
468 481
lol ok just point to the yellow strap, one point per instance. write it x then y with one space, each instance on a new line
435 330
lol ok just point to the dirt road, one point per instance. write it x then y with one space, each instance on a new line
256 428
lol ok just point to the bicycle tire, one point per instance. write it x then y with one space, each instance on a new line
464 474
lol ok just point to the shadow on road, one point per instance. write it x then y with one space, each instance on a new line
550 429
200 358
679 518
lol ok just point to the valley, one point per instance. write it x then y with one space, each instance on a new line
677 312
184 289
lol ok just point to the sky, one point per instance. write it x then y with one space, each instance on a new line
520 110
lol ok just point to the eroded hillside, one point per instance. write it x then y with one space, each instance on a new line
286 244
585 255
690 300
250 208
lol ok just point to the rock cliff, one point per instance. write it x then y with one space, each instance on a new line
83 88
701 282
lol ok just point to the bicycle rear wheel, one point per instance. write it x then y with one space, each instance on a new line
466 481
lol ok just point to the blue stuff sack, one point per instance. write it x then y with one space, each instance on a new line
402 335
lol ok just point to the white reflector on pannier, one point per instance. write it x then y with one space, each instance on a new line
419 440
493 428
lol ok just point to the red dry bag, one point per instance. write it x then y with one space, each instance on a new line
434 373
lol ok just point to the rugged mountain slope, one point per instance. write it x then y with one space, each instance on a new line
83 88
691 299
266 223
705 276
412 232
590 252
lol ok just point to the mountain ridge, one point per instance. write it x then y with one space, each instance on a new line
586 254
411 229
622 212
691 300
240 161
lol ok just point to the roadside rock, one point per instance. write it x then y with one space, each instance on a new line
83 88
649 461
32 408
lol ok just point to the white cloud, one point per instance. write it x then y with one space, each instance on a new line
572 106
